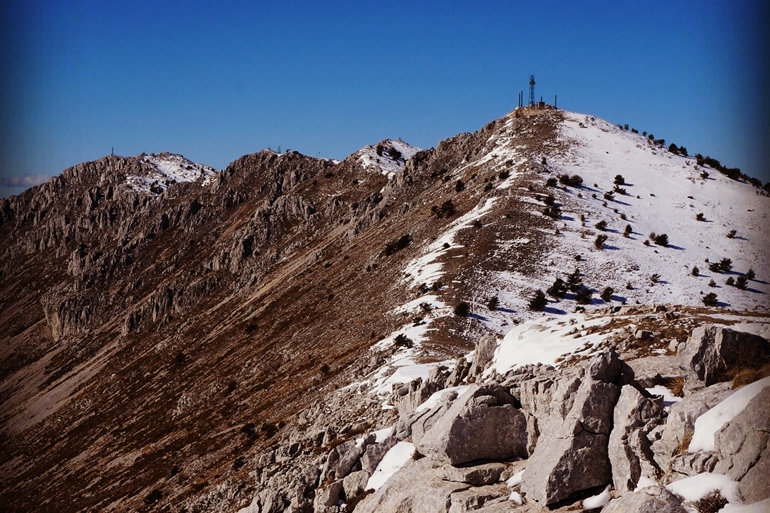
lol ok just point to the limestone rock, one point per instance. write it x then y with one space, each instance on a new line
477 475
485 351
406 397
481 424
712 350
474 498
354 486
340 460
743 448
629 447
327 496
653 499
374 453
571 454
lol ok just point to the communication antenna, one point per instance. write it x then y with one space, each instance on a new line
532 90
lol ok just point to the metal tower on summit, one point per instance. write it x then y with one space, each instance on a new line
531 90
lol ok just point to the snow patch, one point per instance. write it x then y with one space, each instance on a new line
392 462
696 487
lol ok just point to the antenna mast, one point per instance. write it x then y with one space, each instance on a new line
531 90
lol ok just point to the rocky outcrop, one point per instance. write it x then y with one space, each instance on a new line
743 448
653 499
482 423
630 452
711 351
571 454
485 351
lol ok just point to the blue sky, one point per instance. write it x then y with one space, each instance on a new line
216 80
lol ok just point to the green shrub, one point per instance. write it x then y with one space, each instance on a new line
493 303
574 282
558 289
730 281
600 240
606 294
462 309
628 231
601 225
538 301
700 217
551 182
750 274
725 264
583 295
710 299
619 180
447 209
396 245
731 234
459 186
695 271
741 282
661 240
402 340
394 153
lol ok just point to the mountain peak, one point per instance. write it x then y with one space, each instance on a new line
387 156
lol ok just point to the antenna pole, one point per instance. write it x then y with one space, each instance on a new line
531 90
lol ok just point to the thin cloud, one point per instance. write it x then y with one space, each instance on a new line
27 180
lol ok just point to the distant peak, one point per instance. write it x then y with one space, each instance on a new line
164 169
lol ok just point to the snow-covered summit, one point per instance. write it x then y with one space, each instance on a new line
388 156
163 169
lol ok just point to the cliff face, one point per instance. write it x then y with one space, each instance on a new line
165 329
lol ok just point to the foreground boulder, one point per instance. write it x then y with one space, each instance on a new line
630 454
571 454
743 447
711 351
482 423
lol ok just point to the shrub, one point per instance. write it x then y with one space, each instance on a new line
606 294
700 217
324 369
646 242
609 196
710 503
394 153
571 181
628 231
549 200
695 270
447 209
710 299
551 182
554 212
704 174
574 282
731 234
750 274
741 282
673 148
725 264
601 225
504 174
153 497
730 281
661 240
619 180
397 245
600 240
459 186
558 289
714 267
583 295
629 286
538 301
380 149
402 340
462 309
620 190
623 216
655 278
493 303
712 283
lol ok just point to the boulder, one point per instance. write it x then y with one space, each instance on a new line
681 420
631 457
474 498
713 350
328 496
374 453
408 396
417 422
485 351
652 370
354 487
266 501
416 487
482 423
477 475
340 460
743 448
689 464
459 373
571 454
653 499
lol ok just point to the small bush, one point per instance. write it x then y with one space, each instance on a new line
629 286
600 240
750 274
606 294
623 216
583 296
620 190
153 497
447 209
619 180
574 282
725 264
380 149
493 303
710 299
711 502
324 369
394 153
554 212
558 289
601 225
700 217
646 242
398 244
741 282
402 340
571 181
628 231
661 240
462 309
695 271
609 196
538 301
549 200
712 283
731 234
655 278
730 281
714 267
551 182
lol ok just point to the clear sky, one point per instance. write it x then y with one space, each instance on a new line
216 80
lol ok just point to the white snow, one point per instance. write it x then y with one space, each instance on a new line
384 163
516 497
379 436
403 374
394 459
598 501
712 421
645 482
434 399
757 507
668 397
544 340
696 487
514 480
162 170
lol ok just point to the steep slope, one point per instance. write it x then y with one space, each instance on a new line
159 343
